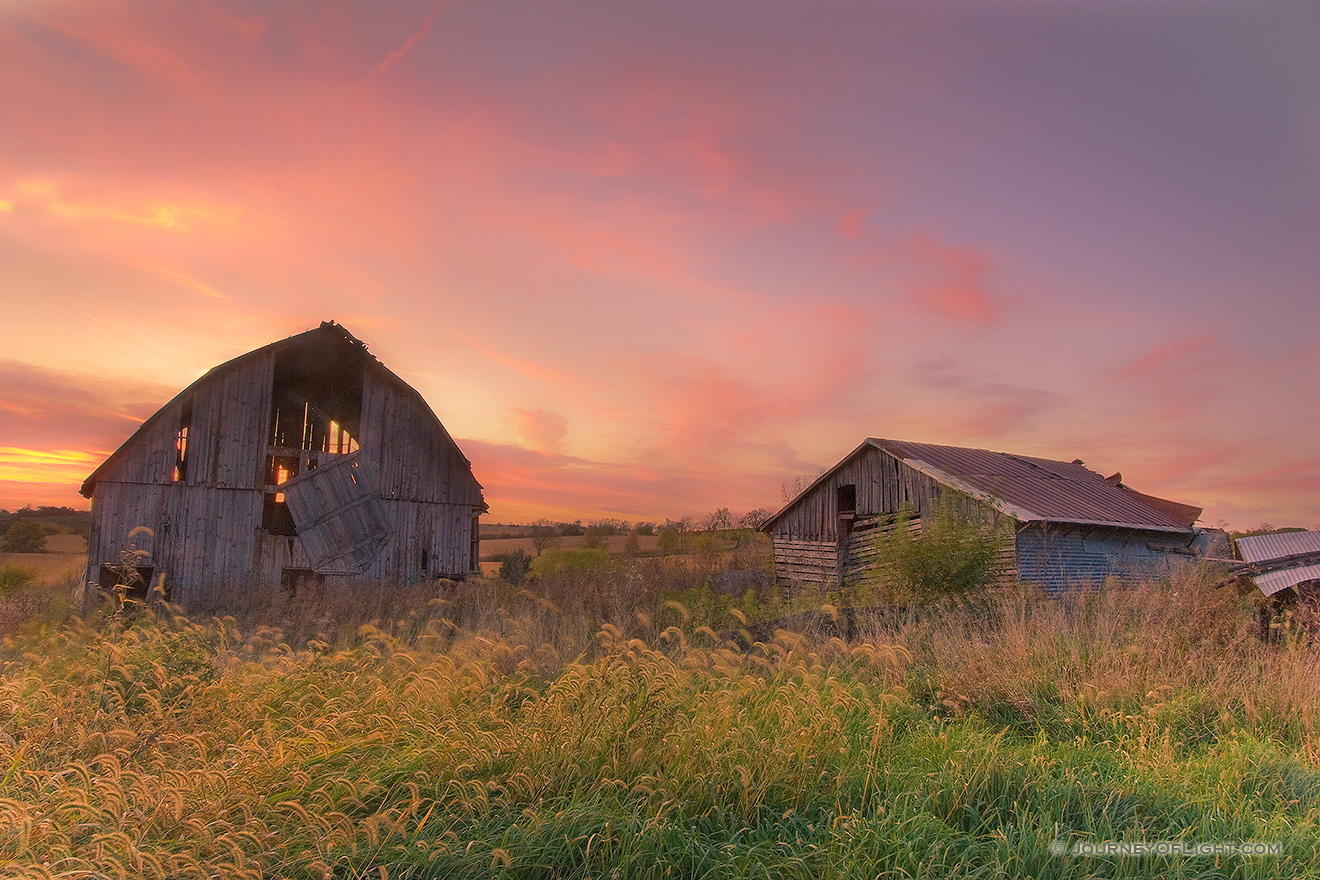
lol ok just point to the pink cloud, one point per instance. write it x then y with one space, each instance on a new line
416 37
852 224
540 430
952 281
1174 356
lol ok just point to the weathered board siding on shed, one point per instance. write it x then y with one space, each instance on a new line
884 485
817 562
806 536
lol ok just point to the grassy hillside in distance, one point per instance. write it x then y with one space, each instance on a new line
491 733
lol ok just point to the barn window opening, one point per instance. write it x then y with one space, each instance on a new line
847 500
279 470
181 444
316 401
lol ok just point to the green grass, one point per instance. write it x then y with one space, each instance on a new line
499 736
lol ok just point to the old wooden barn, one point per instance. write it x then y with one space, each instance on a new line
1069 526
301 461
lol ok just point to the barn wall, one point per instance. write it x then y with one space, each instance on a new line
1059 557
153 451
205 533
230 421
413 458
443 531
817 562
201 538
806 538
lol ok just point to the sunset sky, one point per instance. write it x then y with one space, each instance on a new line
645 259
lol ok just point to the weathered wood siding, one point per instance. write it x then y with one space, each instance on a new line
443 531
412 456
884 485
202 538
154 451
230 420
817 562
806 537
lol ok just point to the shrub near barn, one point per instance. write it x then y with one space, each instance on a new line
24 536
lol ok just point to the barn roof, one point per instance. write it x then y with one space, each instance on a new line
1281 546
1031 489
333 336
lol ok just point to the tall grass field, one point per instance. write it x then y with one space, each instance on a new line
488 732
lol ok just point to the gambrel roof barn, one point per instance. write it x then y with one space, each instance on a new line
1069 525
302 460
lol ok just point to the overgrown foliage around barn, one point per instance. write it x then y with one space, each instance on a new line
950 556
300 462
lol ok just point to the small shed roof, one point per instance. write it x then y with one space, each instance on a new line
1033 489
1264 548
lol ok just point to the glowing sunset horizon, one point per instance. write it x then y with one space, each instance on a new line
647 260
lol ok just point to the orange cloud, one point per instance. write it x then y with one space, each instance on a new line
60 426
68 466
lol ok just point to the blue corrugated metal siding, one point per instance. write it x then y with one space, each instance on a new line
1058 561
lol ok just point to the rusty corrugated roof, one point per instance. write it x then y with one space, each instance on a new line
1039 489
1262 548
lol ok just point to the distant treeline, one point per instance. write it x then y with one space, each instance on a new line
53 520
717 520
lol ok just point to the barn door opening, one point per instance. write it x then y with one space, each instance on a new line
315 416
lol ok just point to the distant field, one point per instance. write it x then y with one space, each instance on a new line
65 555
492 547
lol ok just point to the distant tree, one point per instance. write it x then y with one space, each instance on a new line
794 487
753 519
676 525
24 536
644 528
594 536
673 536
543 536
718 520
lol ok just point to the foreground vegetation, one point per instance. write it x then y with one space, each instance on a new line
497 733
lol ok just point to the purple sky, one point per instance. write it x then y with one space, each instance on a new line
646 259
